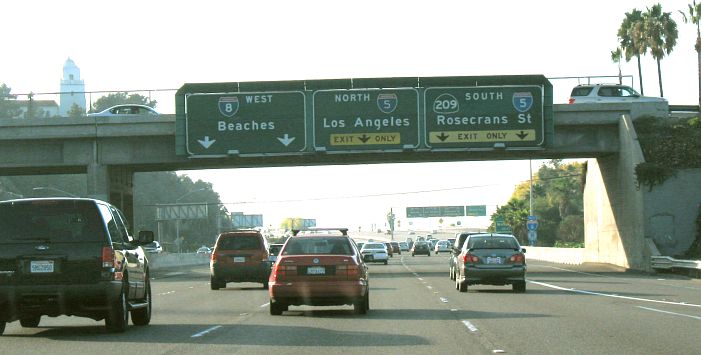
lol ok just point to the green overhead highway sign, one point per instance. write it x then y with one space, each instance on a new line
484 117
476 211
366 119
435 211
238 123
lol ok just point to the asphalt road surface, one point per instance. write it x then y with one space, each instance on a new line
414 309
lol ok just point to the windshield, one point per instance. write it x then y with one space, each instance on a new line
318 246
492 243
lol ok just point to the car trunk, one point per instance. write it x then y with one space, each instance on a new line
317 268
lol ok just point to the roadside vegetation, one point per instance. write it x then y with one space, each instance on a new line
557 202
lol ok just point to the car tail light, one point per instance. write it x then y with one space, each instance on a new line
518 258
282 270
571 100
108 257
469 258
112 266
348 270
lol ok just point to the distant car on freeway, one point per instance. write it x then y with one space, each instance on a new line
442 246
125 110
403 246
153 247
274 251
375 252
606 93
204 250
239 256
395 248
491 259
420 247
319 270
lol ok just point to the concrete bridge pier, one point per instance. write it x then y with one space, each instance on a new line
113 184
614 210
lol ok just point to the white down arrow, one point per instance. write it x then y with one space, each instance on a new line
206 143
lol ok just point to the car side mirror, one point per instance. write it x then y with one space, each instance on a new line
145 237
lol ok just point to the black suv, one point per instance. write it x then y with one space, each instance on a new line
74 257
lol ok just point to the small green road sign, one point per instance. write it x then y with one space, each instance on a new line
501 226
366 120
476 211
482 117
236 123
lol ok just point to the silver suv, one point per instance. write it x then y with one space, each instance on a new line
601 93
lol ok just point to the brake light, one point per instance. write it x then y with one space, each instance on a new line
469 258
213 256
108 257
282 270
518 258
348 270
571 101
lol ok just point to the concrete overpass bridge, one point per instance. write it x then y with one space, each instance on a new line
111 149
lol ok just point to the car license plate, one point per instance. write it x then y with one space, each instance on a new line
316 270
239 259
41 266
495 260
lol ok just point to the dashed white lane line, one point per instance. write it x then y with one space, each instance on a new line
206 331
264 305
469 325
444 300
672 313
613 295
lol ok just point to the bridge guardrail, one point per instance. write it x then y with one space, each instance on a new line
666 262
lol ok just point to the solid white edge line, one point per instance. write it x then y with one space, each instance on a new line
612 295
205 331
469 325
667 312
264 305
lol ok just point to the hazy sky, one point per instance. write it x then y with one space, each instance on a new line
153 45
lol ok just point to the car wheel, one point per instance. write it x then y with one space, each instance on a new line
142 316
30 322
276 308
412 254
385 262
2 328
265 284
214 283
452 273
462 286
519 287
360 306
118 316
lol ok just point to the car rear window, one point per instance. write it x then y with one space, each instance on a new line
50 221
374 246
318 246
492 243
239 242
584 91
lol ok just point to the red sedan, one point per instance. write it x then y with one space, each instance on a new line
319 269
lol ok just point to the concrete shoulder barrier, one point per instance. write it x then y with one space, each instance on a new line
572 256
163 260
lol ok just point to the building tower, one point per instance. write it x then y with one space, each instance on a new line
72 88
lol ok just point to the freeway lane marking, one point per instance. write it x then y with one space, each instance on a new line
469 325
590 274
264 305
667 312
613 295
205 331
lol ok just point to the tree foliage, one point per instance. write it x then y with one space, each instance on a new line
557 202
120 98
8 104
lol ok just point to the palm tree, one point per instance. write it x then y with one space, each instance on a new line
661 34
695 18
616 58
631 36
